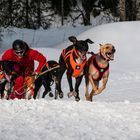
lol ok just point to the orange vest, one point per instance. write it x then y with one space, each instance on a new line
77 68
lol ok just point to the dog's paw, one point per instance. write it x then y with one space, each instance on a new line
50 94
72 93
77 99
75 94
61 95
58 93
88 98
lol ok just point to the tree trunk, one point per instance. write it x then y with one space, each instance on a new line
27 14
38 14
137 10
87 18
10 12
62 12
122 10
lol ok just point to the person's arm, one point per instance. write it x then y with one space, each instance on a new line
7 55
39 58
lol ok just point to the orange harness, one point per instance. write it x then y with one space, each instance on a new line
1 73
77 68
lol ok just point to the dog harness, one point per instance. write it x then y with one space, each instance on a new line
77 68
1 75
101 70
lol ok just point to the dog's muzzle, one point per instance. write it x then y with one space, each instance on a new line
82 55
110 55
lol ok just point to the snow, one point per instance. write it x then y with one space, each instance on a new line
69 120
113 115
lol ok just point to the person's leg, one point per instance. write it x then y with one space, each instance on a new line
18 91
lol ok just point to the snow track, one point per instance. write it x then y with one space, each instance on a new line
67 120
114 114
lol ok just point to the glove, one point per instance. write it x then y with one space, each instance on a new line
35 74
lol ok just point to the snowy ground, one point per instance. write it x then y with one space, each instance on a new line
114 115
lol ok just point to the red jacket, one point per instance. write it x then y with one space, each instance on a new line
27 61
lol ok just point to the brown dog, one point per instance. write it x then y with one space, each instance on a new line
98 69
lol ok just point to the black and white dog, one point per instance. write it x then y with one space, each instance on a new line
73 60
47 79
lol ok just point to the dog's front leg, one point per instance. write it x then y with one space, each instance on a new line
87 94
104 82
87 86
77 84
69 78
46 83
94 87
60 75
38 83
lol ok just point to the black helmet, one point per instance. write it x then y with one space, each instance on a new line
19 46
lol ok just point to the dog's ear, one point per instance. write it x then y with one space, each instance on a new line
73 39
89 41
101 45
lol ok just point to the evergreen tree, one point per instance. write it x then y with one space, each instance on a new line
109 4
88 7
67 6
130 10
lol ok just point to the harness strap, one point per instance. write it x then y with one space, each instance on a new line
77 68
67 54
40 74
100 70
